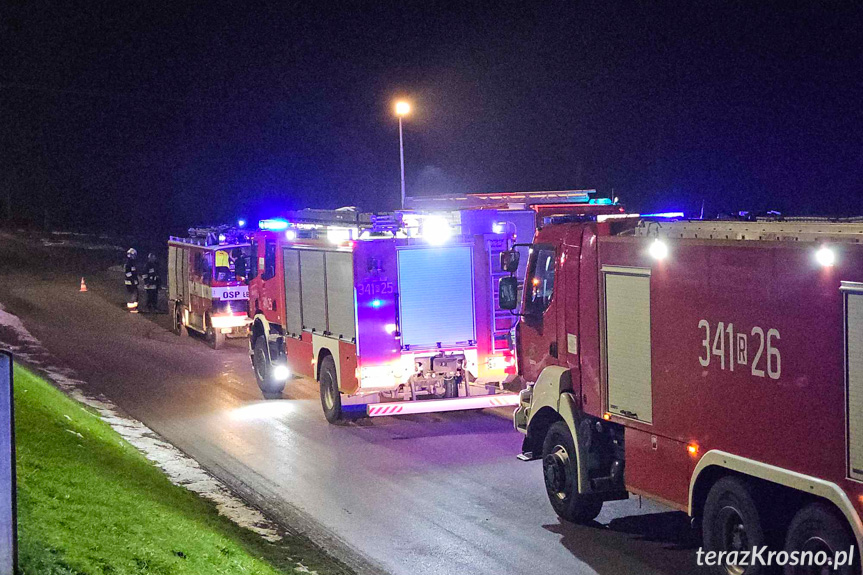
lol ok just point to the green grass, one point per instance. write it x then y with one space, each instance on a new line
90 503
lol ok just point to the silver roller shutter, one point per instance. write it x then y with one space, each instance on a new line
854 376
293 301
340 294
436 300
627 337
312 285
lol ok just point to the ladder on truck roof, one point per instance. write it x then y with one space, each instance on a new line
497 200
802 230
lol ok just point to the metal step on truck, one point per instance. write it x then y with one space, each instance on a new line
714 366
394 313
207 291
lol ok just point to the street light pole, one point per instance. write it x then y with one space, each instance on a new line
402 157
402 109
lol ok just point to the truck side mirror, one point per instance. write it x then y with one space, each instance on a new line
509 261
507 291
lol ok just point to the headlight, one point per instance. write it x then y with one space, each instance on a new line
281 372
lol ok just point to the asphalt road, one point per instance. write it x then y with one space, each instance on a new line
435 494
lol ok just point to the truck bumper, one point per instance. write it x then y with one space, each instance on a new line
521 415
439 405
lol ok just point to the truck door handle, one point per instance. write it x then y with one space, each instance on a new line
552 349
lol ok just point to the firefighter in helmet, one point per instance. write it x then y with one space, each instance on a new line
152 283
131 280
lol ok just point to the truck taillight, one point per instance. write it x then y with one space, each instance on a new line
506 362
510 368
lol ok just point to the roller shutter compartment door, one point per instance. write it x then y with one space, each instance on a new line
340 295
436 300
627 339
173 292
854 376
314 304
293 299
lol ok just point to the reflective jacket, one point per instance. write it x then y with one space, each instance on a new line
131 273
151 276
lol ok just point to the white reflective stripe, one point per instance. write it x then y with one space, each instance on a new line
132 305
128 274
128 282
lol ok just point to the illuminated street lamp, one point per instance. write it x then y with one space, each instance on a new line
402 109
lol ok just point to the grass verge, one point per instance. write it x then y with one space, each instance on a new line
90 503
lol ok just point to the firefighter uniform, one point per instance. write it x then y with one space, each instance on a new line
152 283
131 280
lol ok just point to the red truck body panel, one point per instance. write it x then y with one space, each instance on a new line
747 352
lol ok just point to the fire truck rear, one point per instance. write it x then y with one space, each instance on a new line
714 366
207 287
386 310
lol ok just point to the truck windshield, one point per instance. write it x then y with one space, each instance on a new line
541 286
232 264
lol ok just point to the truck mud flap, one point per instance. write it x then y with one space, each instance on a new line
437 405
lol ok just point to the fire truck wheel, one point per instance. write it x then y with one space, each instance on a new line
816 528
732 523
215 337
177 327
271 389
331 401
560 468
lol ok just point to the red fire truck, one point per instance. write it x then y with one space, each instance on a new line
207 287
714 366
387 309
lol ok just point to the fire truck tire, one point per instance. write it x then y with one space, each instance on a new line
560 468
215 337
177 326
261 366
732 523
818 527
331 400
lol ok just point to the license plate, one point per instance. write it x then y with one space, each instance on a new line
231 293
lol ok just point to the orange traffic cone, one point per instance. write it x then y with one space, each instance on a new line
83 285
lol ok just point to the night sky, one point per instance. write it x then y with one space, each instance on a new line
157 115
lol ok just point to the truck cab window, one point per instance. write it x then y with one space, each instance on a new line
253 261
269 260
541 283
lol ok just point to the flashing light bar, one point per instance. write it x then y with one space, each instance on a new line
439 405
664 215
275 225
667 215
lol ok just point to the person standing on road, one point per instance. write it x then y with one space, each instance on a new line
131 280
152 283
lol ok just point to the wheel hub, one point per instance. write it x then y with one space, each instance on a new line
328 395
555 467
815 544
259 363
734 535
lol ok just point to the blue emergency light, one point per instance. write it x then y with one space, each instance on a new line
664 215
275 225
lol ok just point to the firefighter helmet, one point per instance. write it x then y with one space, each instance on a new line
132 253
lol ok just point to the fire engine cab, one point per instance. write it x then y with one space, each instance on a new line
207 287
385 310
714 366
